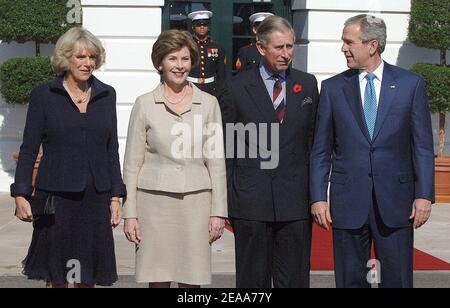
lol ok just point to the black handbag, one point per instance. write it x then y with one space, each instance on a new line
42 204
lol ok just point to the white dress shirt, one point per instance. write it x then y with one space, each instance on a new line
269 82
377 82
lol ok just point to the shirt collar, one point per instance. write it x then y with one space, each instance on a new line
97 86
159 94
267 75
205 41
378 73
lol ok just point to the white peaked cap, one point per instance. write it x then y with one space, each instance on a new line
200 15
259 17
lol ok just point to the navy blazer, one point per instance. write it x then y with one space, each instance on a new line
54 121
281 193
397 166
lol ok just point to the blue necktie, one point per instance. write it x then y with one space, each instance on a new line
370 104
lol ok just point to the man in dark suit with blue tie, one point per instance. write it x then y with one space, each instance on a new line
268 194
374 133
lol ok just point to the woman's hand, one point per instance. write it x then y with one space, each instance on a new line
23 209
216 226
132 230
116 212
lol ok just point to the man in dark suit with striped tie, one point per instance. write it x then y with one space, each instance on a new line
269 203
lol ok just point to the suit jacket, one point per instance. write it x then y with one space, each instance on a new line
69 149
397 166
279 194
152 157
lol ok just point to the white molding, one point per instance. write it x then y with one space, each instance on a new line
146 3
374 6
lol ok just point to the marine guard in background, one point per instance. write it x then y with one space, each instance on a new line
210 74
248 56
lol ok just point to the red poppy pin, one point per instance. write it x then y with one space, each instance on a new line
298 88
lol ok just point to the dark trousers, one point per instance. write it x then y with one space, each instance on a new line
393 250
277 252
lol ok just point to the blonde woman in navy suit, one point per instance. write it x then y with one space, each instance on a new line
74 118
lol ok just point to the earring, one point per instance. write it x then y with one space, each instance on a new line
160 68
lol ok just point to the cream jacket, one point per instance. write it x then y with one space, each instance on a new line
175 153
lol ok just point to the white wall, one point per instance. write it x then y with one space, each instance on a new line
319 23
128 29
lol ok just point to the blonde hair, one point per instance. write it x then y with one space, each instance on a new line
65 46
171 41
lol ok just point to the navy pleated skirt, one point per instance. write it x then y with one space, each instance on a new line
76 244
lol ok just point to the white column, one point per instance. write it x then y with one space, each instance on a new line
128 29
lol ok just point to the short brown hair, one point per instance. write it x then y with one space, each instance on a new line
171 41
66 44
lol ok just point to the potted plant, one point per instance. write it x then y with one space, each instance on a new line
18 76
40 21
429 27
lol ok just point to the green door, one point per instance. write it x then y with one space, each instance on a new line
229 25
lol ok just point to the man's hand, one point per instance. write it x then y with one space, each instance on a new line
216 227
421 212
321 214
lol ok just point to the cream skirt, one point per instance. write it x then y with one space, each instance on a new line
175 237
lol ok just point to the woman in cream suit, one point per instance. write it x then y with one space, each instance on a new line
175 172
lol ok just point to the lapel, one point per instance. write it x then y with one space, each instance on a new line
289 97
387 95
293 101
258 93
353 97
98 89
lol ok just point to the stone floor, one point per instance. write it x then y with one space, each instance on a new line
15 237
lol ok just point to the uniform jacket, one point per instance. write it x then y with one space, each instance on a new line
212 64
248 57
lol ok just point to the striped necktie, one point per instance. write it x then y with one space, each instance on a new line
278 101
370 104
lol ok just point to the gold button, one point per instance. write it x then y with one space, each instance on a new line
203 63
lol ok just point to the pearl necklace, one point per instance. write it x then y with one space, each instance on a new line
178 101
